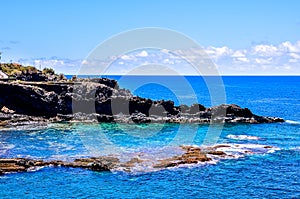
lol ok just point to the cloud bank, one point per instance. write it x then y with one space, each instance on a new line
260 59
282 59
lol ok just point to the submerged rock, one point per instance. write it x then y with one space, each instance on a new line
8 165
191 155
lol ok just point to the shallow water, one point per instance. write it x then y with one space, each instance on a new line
265 174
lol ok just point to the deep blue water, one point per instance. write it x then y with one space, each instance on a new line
264 175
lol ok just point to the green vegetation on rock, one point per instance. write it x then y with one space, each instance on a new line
12 69
48 71
30 73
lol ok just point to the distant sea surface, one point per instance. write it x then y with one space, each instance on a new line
272 174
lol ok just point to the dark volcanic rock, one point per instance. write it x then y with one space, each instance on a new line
139 105
13 120
225 110
196 108
5 116
102 100
28 100
140 118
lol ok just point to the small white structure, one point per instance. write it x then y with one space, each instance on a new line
3 75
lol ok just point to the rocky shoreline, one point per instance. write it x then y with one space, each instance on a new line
191 155
102 100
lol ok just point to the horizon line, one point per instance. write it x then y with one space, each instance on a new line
194 75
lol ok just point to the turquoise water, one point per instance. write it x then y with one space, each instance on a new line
272 174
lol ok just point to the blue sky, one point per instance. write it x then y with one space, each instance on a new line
242 37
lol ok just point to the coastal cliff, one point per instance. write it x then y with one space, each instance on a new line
102 100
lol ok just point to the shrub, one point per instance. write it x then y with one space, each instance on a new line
48 71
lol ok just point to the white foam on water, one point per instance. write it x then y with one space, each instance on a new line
26 126
33 169
297 148
232 151
151 157
292 122
246 149
243 137
60 146
5 147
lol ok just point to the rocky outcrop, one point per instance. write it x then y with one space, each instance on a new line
191 155
14 120
102 100
8 165
28 100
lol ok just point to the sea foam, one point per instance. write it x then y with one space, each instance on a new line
292 122
243 137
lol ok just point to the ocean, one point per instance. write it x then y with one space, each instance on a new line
263 174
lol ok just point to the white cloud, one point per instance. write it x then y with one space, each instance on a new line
142 54
238 53
293 60
239 56
243 59
266 50
49 63
289 47
60 65
164 51
283 58
168 61
84 62
216 52
288 67
126 57
295 55
263 60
